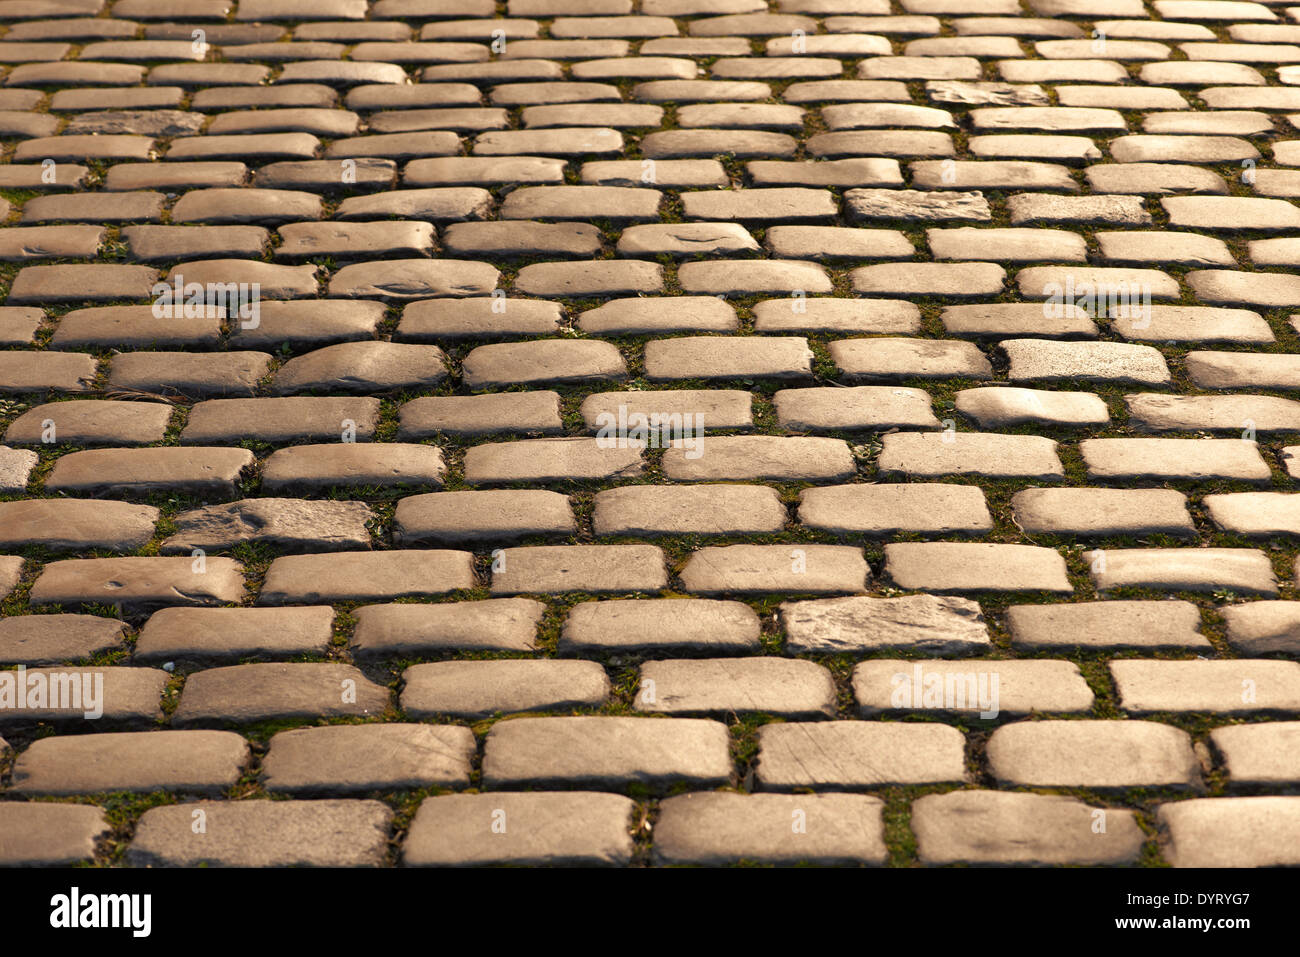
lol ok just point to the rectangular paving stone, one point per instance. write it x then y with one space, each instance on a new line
880 510
40 833
1119 460
608 753
587 568
76 524
139 581
51 639
366 576
975 567
860 407
253 833
934 625
479 415
648 510
479 689
486 516
277 420
416 628
1259 754
720 686
1093 754
198 762
210 471
986 454
1018 829
1230 832
543 461
1238 570
855 755
1108 625
987 689
761 457
1242 686
360 758
660 626
1096 512
229 635
252 693
718 828
1259 628
76 697
572 828
763 569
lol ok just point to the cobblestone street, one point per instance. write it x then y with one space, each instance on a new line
649 432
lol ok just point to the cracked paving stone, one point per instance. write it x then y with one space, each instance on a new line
493 624
362 758
931 624
327 833
660 626
607 752
478 689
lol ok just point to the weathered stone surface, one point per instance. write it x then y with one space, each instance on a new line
411 629
571 828
1094 512
39 833
351 463
1242 686
76 524
762 457
587 568
933 625
1000 827
202 762
229 635
796 689
1260 628
360 758
139 581
1093 754
1119 460
660 625
762 569
974 567
1259 754
476 689
247 694
1111 625
606 752
482 516
642 510
986 454
1240 570
862 407
885 510
1230 832
211 471
851 755
330 833
366 576
105 695
718 828
50 639
285 523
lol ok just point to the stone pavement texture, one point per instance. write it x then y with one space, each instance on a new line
649 432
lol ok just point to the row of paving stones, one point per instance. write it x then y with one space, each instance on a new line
948 626
791 688
217 471
801 569
491 516
706 827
